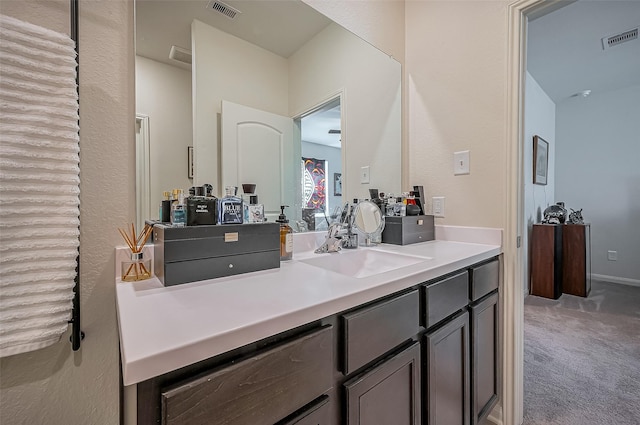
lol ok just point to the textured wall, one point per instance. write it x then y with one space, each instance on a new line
55 385
380 22
456 72
597 169
370 83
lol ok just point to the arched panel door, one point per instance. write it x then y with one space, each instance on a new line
258 147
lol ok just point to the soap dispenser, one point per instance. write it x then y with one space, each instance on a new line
286 236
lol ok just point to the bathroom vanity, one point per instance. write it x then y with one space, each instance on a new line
410 338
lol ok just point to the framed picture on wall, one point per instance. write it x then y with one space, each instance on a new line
190 162
540 160
337 184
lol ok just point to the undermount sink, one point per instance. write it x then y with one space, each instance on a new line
363 262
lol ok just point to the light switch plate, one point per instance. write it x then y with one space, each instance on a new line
364 175
461 163
437 203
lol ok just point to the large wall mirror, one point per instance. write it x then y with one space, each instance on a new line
212 81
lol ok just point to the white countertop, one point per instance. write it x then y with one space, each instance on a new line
163 329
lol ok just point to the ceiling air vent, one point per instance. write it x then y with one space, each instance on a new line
614 40
225 9
179 54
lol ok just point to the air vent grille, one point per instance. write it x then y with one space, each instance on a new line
180 55
614 40
225 9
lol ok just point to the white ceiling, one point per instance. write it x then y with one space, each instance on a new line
278 26
565 55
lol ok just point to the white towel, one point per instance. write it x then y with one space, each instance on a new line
39 185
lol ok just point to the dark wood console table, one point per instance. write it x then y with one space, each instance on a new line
546 260
560 260
576 259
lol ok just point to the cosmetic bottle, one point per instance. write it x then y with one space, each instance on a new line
286 236
165 207
201 209
253 212
230 209
178 211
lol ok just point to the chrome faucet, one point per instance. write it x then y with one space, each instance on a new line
340 234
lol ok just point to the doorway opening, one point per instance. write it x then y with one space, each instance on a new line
322 179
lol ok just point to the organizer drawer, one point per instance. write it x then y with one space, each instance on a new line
443 298
484 279
374 330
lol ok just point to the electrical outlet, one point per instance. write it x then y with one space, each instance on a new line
612 255
364 175
437 204
461 163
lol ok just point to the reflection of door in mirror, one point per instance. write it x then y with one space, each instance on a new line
257 148
321 148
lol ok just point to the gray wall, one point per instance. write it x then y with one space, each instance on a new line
540 120
598 169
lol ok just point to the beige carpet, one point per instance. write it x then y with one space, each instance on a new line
582 358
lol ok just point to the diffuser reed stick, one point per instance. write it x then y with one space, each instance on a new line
137 268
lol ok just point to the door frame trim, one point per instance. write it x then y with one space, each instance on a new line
513 291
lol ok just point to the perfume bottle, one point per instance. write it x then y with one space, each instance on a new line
253 212
165 207
178 211
201 209
230 209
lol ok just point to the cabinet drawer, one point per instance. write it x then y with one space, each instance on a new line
316 413
372 331
443 298
259 390
484 279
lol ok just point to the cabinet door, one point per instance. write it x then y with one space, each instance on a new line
484 361
447 373
388 394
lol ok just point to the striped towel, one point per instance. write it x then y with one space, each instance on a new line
39 185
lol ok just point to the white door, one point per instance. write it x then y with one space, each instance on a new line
257 147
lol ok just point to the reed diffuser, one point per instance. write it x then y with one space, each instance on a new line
138 268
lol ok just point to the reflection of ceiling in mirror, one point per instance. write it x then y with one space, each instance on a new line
278 26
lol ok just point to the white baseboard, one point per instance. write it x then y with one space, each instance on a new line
614 279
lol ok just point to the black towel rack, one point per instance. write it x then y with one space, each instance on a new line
76 333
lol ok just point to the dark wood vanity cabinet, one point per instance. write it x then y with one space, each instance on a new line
425 356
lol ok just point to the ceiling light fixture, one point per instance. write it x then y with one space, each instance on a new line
583 93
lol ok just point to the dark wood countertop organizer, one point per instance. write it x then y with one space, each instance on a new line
193 253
